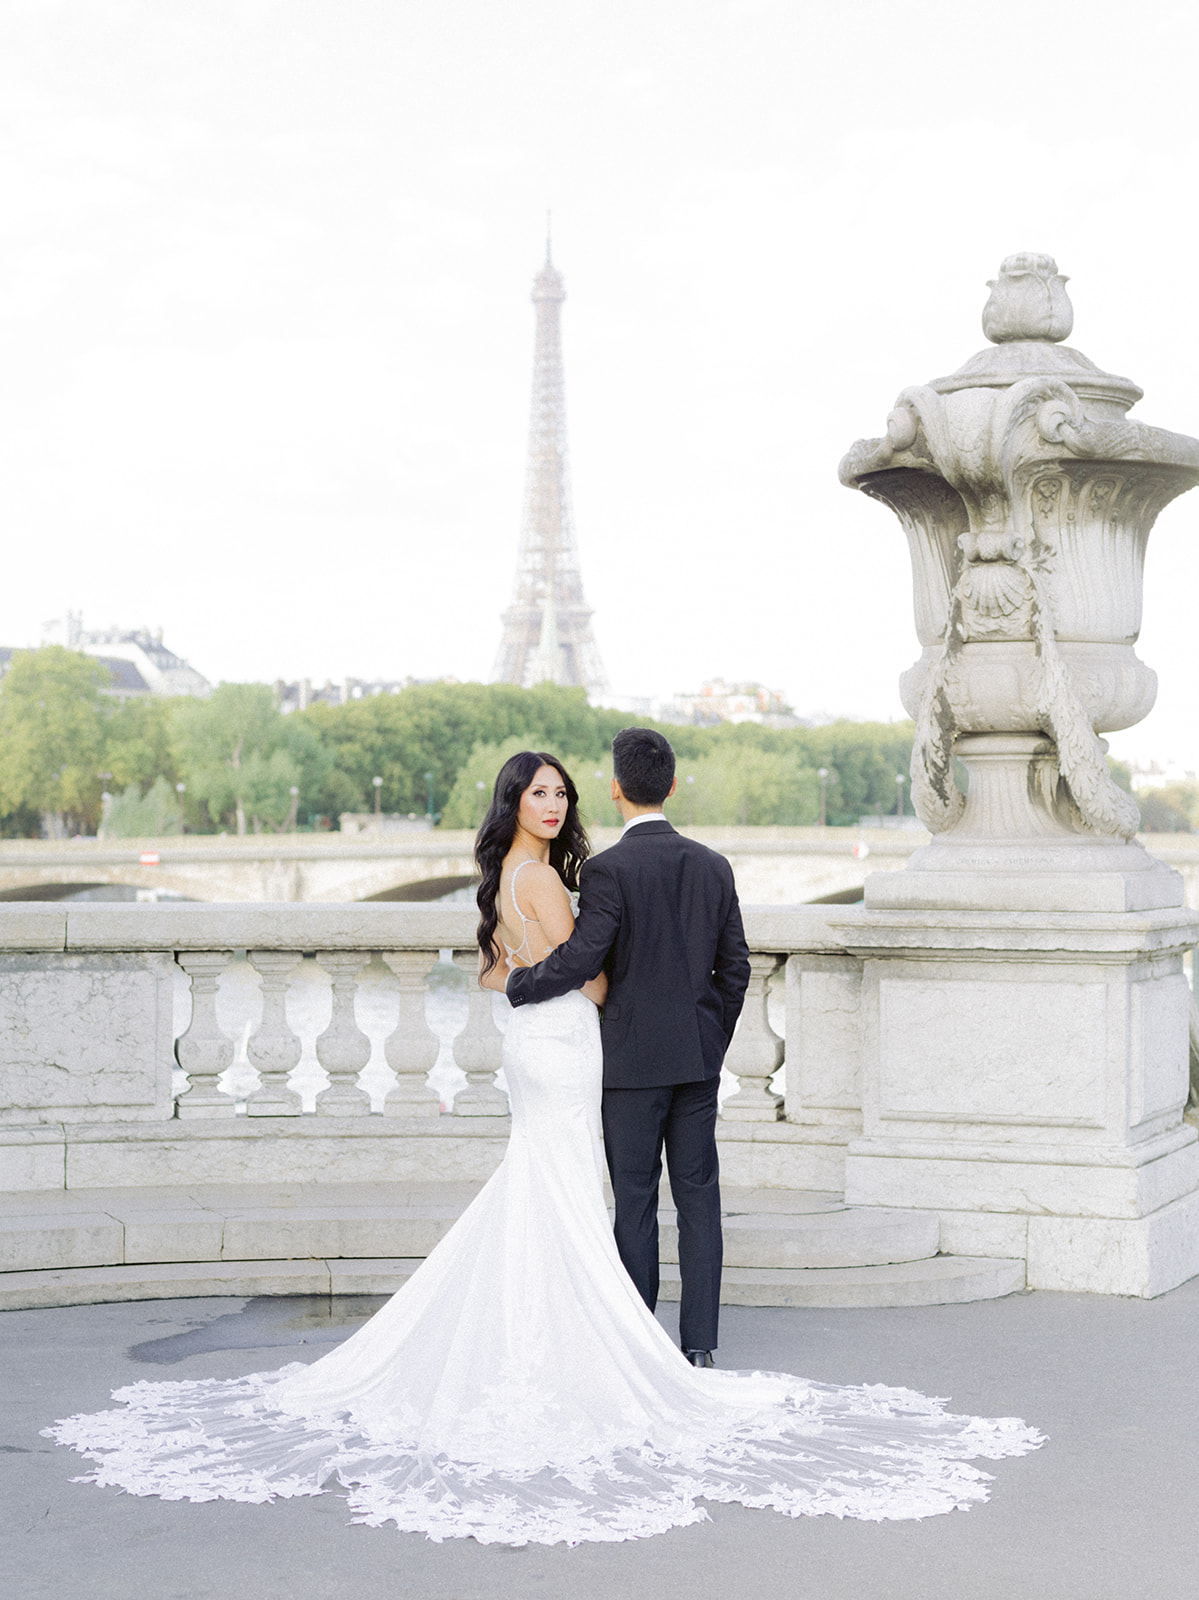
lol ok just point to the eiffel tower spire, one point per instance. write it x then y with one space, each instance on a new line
547 628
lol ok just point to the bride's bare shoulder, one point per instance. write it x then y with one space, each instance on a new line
536 885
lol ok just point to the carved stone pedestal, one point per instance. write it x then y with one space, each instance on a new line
1019 846
1024 1055
1024 1075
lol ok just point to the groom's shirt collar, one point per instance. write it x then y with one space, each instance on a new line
646 816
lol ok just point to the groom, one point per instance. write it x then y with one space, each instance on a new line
659 913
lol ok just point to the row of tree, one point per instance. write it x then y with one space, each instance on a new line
73 758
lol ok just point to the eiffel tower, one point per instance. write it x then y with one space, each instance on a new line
547 628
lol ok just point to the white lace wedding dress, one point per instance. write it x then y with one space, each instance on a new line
516 1389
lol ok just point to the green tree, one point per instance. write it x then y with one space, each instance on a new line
862 760
1121 774
435 727
1172 808
241 758
734 782
439 727
747 786
52 725
134 815
138 746
472 791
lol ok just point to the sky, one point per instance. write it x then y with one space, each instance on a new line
266 337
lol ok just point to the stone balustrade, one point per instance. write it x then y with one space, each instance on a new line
161 1044
167 1049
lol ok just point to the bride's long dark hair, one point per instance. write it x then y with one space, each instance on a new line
494 839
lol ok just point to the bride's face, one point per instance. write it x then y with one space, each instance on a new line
543 804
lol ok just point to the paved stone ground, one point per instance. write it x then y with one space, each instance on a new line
1107 1510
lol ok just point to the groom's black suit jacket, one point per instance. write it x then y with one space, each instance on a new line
659 913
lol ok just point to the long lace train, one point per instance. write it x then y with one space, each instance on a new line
517 1390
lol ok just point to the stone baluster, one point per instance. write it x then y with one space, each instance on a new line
478 1047
411 1048
273 1048
756 1052
204 1051
343 1049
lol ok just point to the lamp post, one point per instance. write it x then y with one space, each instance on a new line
378 783
822 774
181 790
481 791
429 783
900 780
295 806
105 802
691 799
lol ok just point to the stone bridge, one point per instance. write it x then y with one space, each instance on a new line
774 866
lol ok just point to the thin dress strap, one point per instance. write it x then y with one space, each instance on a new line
523 946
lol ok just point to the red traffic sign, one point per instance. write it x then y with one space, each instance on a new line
148 858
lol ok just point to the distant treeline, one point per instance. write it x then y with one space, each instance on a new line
235 762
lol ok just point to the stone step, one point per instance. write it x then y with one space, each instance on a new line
782 1247
942 1280
762 1228
848 1237
938 1281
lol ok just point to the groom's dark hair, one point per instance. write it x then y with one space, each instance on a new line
643 765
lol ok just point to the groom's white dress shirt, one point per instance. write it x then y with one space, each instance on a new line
648 816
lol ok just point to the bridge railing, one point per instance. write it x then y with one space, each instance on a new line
202 1014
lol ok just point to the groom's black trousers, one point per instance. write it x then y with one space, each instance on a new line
638 1125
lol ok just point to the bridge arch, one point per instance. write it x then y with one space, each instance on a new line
840 897
424 889
74 890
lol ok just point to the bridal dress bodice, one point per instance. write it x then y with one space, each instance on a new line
517 1389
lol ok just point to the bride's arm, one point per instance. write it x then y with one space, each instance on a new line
597 988
497 978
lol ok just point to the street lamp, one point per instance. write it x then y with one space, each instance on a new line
822 774
295 807
378 783
481 789
691 799
181 790
900 780
105 801
429 782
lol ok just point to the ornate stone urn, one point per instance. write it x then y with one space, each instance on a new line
1027 497
1023 1043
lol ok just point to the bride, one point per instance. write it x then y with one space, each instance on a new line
517 1389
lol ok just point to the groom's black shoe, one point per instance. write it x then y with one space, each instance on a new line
699 1358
